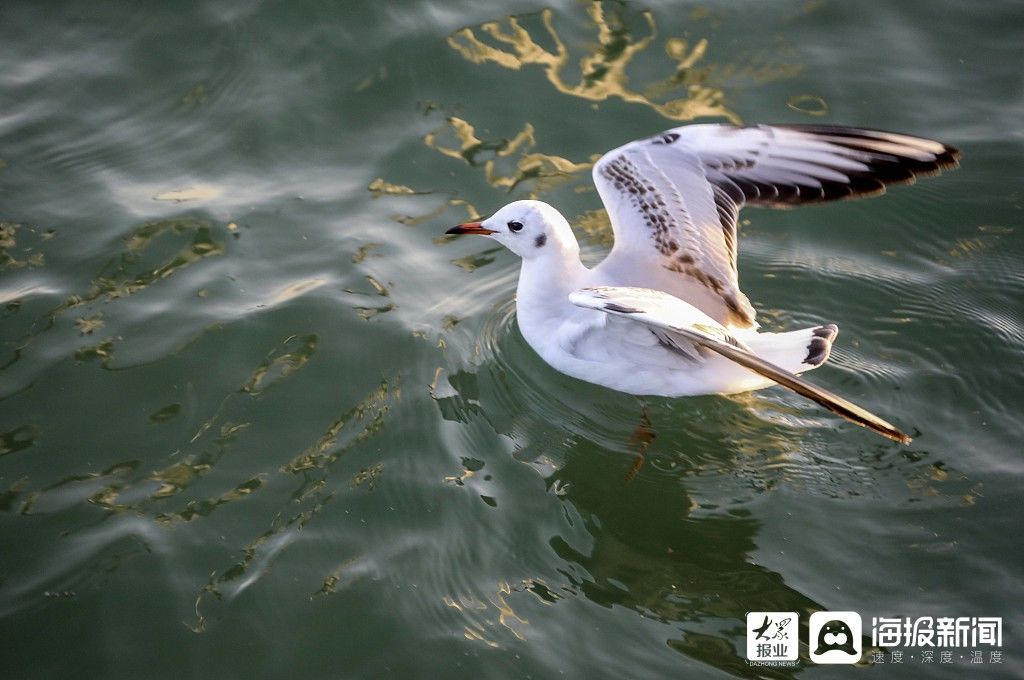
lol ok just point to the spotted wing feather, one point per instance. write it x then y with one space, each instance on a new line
674 199
665 214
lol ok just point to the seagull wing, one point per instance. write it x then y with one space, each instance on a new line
676 320
674 199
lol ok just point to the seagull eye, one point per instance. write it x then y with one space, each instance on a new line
515 226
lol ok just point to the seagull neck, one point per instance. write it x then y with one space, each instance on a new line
545 282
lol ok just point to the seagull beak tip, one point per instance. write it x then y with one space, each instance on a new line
470 228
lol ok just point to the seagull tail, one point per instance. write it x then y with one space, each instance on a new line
796 351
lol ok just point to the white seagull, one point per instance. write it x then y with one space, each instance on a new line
663 314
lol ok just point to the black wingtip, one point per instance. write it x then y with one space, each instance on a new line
887 168
820 346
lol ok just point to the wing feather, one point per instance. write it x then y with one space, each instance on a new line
674 199
674 317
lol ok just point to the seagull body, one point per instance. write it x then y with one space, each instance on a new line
663 314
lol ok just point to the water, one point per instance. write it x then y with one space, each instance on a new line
259 419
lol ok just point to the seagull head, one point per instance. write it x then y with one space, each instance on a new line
530 229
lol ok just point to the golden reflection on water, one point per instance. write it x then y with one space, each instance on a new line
331 581
87 325
482 616
367 476
201 508
458 139
287 358
694 88
379 187
8 241
364 251
283 361
371 410
121 277
104 351
602 73
358 424
546 169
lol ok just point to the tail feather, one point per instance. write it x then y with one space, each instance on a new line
796 351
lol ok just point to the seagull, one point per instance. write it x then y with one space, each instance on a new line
663 314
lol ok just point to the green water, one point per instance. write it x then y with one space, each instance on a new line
259 419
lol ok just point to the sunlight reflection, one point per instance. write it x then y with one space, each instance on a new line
602 73
478 612
546 169
693 89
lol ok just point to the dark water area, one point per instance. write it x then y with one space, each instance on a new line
259 418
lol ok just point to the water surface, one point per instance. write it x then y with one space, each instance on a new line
258 418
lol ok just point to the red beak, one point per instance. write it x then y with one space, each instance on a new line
470 228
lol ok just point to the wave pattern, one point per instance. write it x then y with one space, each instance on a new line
259 414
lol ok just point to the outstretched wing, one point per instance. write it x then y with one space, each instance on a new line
674 199
666 313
